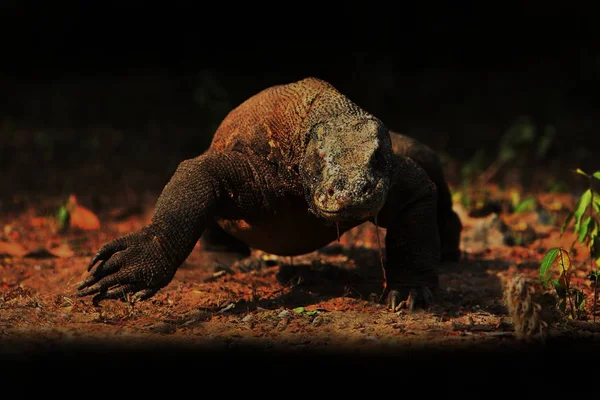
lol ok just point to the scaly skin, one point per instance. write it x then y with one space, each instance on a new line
285 170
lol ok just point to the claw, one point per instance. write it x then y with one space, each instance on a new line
95 288
125 269
106 252
119 292
411 300
393 299
95 259
144 294
416 298
103 284
110 266
90 280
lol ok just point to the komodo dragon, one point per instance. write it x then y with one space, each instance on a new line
287 172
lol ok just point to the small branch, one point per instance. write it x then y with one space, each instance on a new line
591 207
381 260
562 264
491 171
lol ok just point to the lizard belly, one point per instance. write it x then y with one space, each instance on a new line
288 233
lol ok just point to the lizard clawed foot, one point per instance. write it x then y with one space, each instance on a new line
411 299
132 268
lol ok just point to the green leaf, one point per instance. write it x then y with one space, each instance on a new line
546 265
564 261
562 305
593 230
566 223
525 205
584 229
465 198
579 300
582 205
63 217
596 175
302 310
559 288
596 201
515 198
580 172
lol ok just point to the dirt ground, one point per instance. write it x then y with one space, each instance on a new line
322 300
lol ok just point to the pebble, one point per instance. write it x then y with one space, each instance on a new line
247 318
282 324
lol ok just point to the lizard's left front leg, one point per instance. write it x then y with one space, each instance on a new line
143 262
412 243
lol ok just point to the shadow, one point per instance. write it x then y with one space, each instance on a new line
467 285
472 285
28 363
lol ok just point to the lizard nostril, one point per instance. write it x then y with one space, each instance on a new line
367 188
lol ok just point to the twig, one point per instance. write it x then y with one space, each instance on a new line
562 264
491 171
591 207
381 260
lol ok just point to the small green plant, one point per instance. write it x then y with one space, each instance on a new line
521 141
585 220
304 311
526 205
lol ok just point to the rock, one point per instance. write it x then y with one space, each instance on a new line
247 318
487 232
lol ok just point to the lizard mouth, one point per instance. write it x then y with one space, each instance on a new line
346 215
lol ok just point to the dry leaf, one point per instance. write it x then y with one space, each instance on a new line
38 222
12 249
82 217
62 250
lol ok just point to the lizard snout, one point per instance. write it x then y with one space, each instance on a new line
330 200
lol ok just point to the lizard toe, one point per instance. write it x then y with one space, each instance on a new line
410 299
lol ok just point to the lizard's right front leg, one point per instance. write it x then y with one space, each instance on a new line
143 262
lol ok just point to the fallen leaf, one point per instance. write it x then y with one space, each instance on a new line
63 251
38 222
82 217
12 249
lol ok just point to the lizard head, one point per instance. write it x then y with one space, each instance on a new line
346 168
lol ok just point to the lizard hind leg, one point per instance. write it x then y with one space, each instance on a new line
220 248
450 232
449 224
412 241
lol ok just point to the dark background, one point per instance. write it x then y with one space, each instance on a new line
99 95
99 99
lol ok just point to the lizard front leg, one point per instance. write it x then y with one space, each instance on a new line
412 238
143 262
